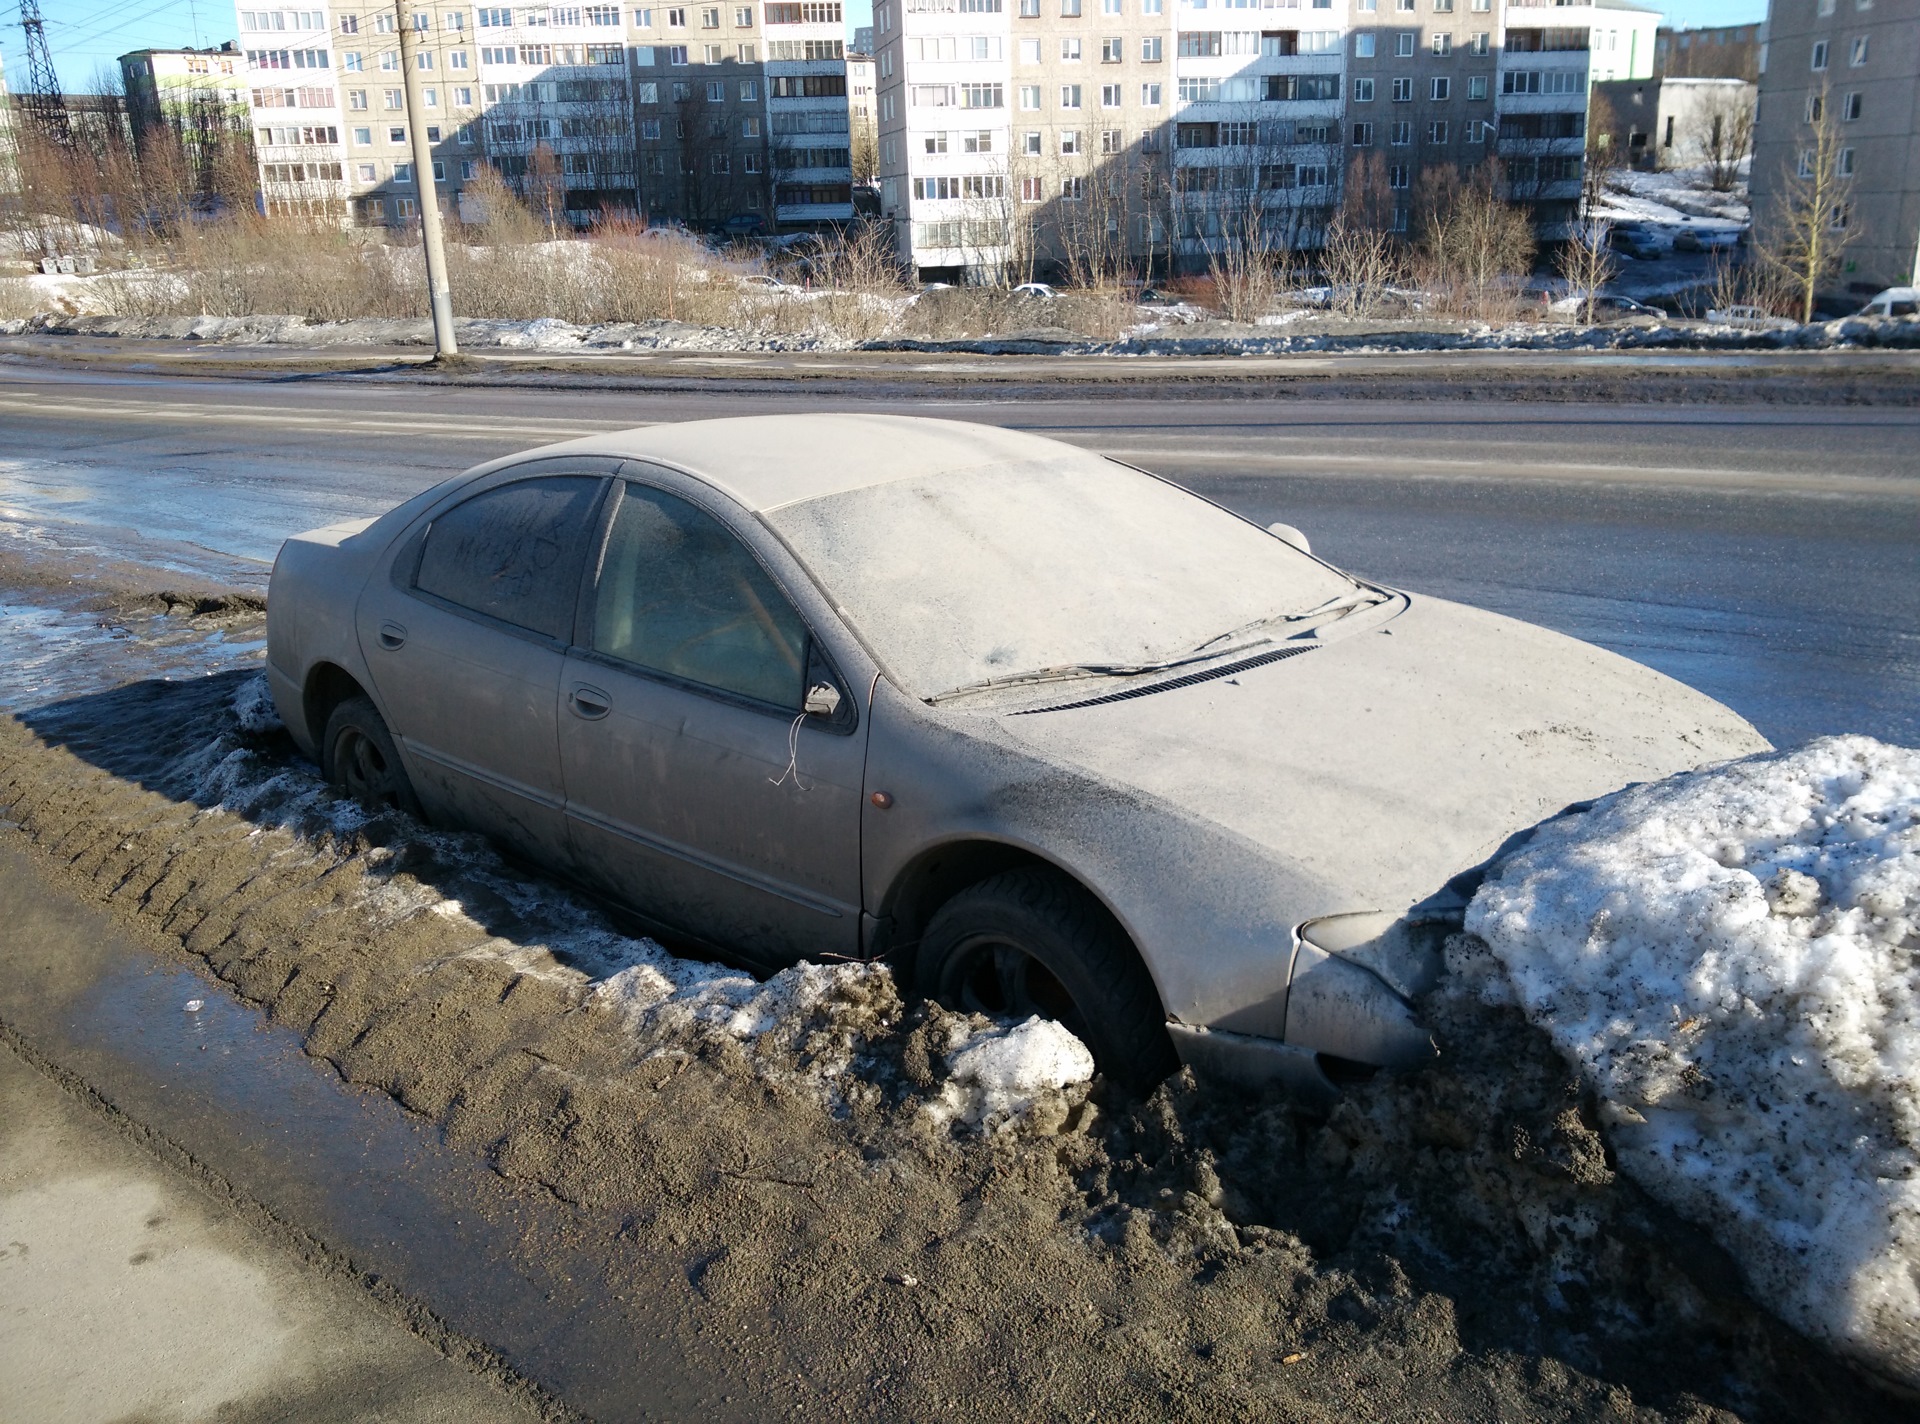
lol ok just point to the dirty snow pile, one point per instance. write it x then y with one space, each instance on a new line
807 1026
1733 958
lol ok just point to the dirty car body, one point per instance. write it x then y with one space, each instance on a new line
799 686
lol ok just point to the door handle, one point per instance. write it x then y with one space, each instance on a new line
392 635
589 702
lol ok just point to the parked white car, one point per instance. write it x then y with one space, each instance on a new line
1035 289
1750 319
1606 307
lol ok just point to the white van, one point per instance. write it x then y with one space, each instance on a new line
1895 301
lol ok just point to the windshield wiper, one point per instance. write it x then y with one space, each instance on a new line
1069 672
1338 606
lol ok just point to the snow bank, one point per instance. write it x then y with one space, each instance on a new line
1733 957
810 1027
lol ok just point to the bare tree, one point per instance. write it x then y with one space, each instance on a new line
1587 263
1471 242
1604 155
1808 226
1722 125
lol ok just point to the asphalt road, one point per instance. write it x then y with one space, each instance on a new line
1770 557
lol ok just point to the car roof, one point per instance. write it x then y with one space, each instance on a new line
766 461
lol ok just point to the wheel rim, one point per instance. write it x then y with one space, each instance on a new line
994 976
364 772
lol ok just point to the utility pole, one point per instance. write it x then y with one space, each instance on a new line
439 296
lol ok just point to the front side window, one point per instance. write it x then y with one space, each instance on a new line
513 553
680 595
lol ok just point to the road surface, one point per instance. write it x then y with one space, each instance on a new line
1770 557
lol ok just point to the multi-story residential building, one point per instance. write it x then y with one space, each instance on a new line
185 89
1855 64
1089 136
707 113
1708 52
861 115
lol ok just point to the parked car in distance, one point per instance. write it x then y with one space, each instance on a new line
1633 242
1035 289
1895 301
1052 735
1606 307
760 281
1749 318
744 225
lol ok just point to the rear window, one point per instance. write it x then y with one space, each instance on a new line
514 553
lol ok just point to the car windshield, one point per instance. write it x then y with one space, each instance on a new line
1022 572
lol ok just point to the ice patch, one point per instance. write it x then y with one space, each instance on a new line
998 1075
253 707
1733 957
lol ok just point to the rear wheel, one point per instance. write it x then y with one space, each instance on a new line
1030 941
358 755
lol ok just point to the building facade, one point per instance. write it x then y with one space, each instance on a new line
1671 122
1858 61
1089 137
1709 52
718 114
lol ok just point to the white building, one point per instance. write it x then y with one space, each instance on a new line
1106 134
713 113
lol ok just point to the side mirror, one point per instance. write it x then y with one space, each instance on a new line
1291 535
823 700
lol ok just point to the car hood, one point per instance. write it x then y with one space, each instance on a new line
1393 756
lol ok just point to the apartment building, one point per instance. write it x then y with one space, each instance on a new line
198 96
724 114
1089 136
1859 62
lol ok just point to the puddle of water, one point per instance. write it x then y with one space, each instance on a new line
52 651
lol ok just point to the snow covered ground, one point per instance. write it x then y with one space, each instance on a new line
807 1027
1732 957
1678 197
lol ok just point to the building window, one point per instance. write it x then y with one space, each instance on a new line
743 17
1029 144
1819 55
1858 56
1850 108
1070 9
1069 142
1149 96
1399 175
749 91
716 91
676 55
1400 132
403 172
1029 9
1442 89
1030 98
1477 87
1109 96
1151 49
1031 189
1403 45
1443 45
1112 141
710 20
1069 96
1363 91
1072 190
1112 51
649 128
1436 131
1363 46
363 137
367 172
1363 135
356 98
1070 51
396 134
1403 91
405 207
1844 167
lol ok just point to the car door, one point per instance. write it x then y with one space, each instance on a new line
698 790
466 640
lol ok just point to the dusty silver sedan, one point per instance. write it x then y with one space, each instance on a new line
1053 735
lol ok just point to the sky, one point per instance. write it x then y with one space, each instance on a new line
85 35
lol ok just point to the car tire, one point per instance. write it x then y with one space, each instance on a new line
358 755
1030 941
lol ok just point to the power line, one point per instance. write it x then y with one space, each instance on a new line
45 105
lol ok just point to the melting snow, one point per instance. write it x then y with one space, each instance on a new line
1002 1073
1733 957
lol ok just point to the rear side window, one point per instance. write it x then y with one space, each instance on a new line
679 594
513 553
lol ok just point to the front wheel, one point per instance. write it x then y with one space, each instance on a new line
358 755
1030 941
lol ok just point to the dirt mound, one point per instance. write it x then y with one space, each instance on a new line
1450 1245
